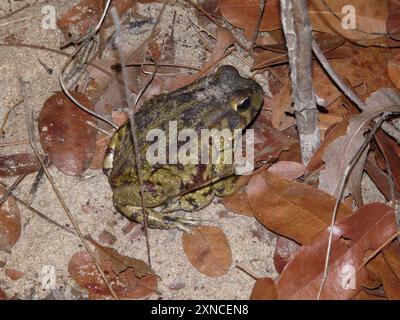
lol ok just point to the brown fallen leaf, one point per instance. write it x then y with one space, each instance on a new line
244 14
285 249
294 210
362 295
289 170
264 289
394 70
121 263
13 274
76 21
392 257
367 229
370 23
269 143
316 162
10 222
18 164
126 284
208 250
393 21
391 284
65 135
3 295
238 203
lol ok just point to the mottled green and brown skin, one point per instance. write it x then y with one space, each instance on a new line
224 100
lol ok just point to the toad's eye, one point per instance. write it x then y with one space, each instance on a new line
243 105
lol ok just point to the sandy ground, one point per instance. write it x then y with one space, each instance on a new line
89 196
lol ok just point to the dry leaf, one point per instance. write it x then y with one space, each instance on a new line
126 284
341 151
76 21
367 229
3 295
391 150
121 263
370 19
208 250
294 210
10 222
264 289
285 249
392 257
64 133
18 164
362 295
238 203
391 283
244 14
13 274
394 70
289 170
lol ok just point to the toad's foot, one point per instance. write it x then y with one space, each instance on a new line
160 220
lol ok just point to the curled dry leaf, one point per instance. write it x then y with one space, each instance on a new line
18 164
391 150
126 284
354 237
285 250
294 210
208 250
264 289
10 223
64 133
269 143
316 162
343 149
244 14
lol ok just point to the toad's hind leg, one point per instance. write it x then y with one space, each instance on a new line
114 144
157 219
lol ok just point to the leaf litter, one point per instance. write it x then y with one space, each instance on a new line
282 194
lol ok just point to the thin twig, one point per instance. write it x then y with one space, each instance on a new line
36 182
260 13
13 143
15 21
31 134
343 182
27 5
38 213
131 113
11 188
7 116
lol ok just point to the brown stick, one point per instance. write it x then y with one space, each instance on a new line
297 29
